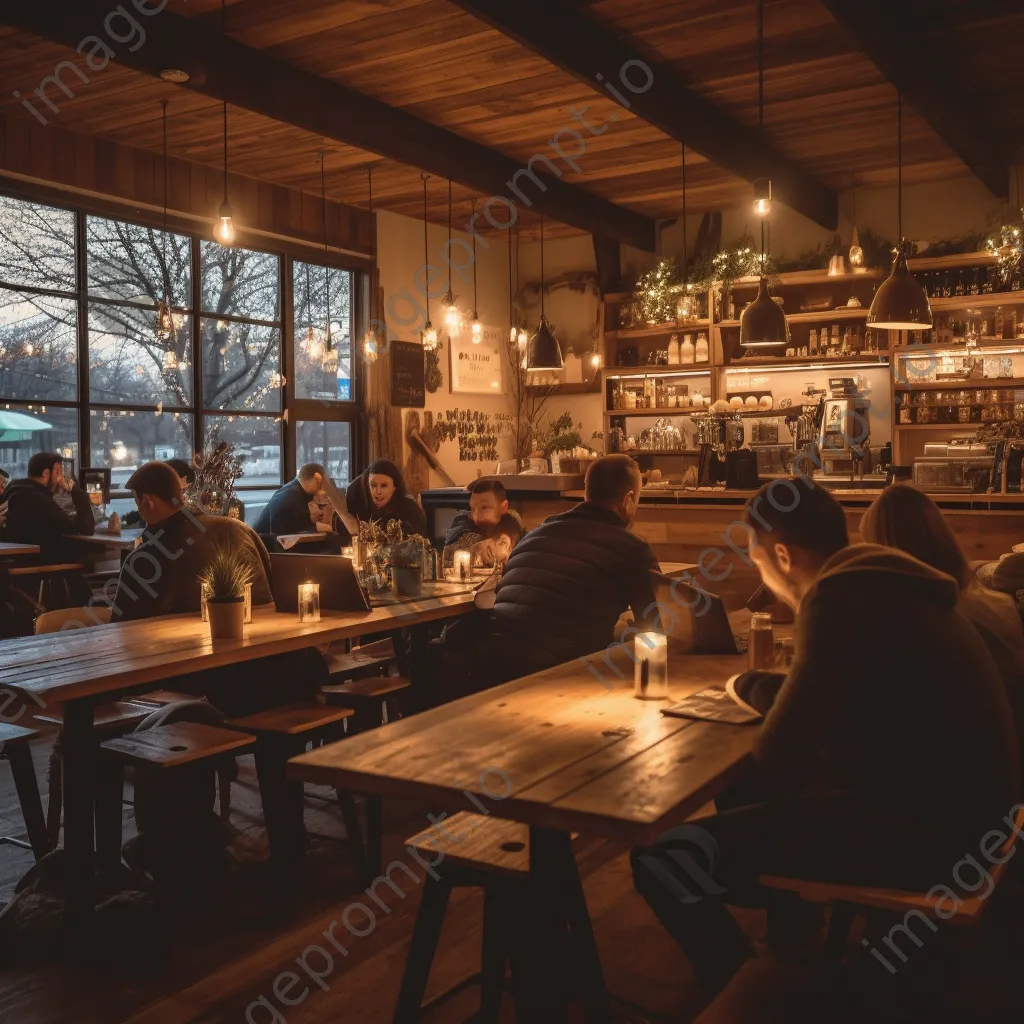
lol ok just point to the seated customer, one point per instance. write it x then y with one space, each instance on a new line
479 529
888 751
904 517
34 517
288 510
379 496
161 576
569 579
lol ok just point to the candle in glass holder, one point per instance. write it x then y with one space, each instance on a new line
651 675
463 565
309 602
203 611
247 613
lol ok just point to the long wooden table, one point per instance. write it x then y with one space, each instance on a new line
10 549
81 668
575 753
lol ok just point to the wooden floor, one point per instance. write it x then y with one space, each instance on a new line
227 960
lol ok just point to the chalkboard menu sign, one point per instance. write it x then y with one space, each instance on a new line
407 388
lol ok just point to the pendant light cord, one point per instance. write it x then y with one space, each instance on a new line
473 221
164 239
327 270
450 236
542 266
899 165
511 318
426 249
760 97
369 188
223 37
684 219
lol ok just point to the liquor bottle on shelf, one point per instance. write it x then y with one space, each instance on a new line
847 342
701 348
975 288
988 280
961 288
833 344
812 342
1000 323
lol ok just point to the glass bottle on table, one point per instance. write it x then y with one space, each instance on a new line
761 644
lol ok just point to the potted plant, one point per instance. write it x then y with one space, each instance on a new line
223 582
405 560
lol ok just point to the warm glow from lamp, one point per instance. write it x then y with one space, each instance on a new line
452 316
477 329
522 338
224 231
463 565
309 602
429 337
856 254
650 655
370 347
595 360
170 360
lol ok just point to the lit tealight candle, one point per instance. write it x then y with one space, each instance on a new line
247 613
309 602
463 565
651 675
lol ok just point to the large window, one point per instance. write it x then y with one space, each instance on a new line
88 365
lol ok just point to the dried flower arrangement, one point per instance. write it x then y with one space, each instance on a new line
217 470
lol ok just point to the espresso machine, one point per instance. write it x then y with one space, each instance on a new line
805 427
844 437
718 434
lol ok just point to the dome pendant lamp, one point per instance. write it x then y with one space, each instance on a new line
900 304
763 323
543 351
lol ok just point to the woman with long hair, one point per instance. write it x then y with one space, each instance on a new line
379 496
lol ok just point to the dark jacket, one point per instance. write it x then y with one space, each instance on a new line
33 517
402 507
463 532
286 512
893 696
161 576
563 589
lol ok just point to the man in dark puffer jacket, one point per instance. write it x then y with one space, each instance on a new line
568 581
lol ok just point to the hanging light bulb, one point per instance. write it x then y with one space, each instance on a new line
522 338
452 314
370 347
762 197
476 327
164 318
513 332
311 344
428 335
28 348
170 360
856 256
595 359
224 229
164 321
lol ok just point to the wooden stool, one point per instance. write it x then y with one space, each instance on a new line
108 720
282 733
14 746
372 659
849 901
166 753
49 575
479 851
368 698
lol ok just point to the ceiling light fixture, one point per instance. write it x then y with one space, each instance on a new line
452 316
476 327
763 323
685 309
900 304
856 255
429 332
329 356
224 230
164 320
175 75
370 352
543 351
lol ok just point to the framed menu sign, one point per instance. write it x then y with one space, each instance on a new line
476 367
407 388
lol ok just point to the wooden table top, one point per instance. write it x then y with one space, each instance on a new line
123 541
578 755
57 667
10 549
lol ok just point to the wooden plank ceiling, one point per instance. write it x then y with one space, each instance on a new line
827 106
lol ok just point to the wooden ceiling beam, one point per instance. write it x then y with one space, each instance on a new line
253 80
893 37
560 33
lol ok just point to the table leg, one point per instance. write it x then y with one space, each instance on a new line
560 907
79 799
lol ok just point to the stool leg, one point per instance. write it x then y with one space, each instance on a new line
224 792
109 791
422 948
374 834
55 799
496 942
279 817
28 796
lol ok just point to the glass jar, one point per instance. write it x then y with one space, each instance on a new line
701 348
687 350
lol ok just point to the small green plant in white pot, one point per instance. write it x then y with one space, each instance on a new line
224 580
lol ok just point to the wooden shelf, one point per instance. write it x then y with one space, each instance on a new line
840 313
687 411
943 426
974 384
760 363
627 333
674 370
962 259
794 278
586 388
660 451
978 301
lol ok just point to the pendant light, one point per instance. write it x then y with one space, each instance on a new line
543 351
856 255
476 327
224 230
164 320
429 332
512 331
452 316
685 309
370 337
763 323
522 336
329 356
311 343
900 304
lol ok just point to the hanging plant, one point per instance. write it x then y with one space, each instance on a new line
656 295
432 376
1007 245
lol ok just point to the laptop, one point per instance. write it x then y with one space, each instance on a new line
694 617
340 589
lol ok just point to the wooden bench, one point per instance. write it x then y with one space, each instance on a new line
14 747
282 733
848 901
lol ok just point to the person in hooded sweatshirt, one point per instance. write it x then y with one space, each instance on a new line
886 752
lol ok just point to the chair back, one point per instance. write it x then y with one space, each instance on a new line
72 618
